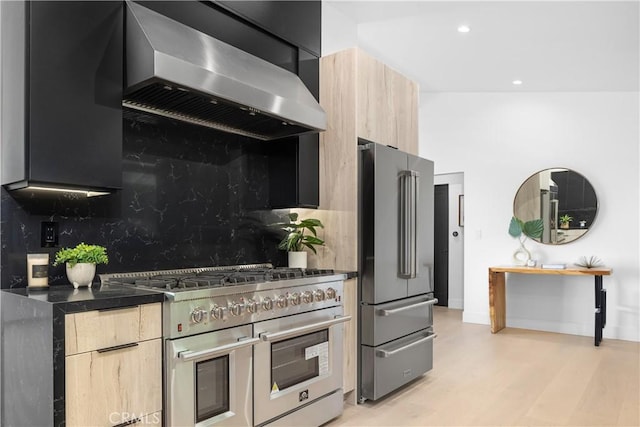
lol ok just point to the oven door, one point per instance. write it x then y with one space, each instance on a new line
297 361
208 379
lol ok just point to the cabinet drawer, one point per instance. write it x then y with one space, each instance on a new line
94 330
389 366
382 323
112 387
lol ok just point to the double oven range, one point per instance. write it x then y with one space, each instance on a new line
249 345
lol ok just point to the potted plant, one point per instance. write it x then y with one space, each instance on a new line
300 234
565 220
522 230
81 262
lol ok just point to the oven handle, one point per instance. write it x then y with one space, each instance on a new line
406 307
188 355
385 353
266 336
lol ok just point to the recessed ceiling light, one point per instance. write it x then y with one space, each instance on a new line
517 82
463 29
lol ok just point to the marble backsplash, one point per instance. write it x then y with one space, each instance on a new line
190 197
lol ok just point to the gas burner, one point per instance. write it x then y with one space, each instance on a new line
242 277
284 273
317 271
157 282
202 281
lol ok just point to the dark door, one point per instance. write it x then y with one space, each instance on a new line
441 244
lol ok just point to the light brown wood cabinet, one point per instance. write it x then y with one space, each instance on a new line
350 337
113 366
387 104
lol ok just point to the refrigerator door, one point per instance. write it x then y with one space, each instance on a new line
396 220
424 234
381 170
389 366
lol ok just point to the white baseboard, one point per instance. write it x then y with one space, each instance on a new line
481 318
584 329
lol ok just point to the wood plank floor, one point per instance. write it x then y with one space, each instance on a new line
516 377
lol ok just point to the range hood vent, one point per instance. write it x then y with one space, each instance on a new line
175 71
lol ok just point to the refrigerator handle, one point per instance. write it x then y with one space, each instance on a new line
408 221
415 178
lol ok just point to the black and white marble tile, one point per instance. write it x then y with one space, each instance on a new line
191 196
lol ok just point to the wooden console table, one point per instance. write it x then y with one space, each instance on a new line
497 299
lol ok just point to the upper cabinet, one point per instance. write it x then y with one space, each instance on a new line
62 93
298 22
387 104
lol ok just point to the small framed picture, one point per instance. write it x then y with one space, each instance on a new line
461 210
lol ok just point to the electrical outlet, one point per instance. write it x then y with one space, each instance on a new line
49 234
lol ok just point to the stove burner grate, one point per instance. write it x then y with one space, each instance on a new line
175 281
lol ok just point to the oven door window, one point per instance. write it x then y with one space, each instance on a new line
212 388
298 359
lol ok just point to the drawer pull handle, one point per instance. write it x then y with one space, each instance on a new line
406 307
116 308
117 347
128 423
385 353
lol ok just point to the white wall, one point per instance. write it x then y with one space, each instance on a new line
339 32
498 140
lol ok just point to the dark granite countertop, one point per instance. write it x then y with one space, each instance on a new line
70 300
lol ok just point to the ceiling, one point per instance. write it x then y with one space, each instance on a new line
560 46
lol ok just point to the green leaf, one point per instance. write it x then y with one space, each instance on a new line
533 228
310 247
515 227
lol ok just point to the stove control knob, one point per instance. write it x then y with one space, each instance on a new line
331 293
318 294
267 303
198 314
235 308
217 312
307 297
294 298
252 306
282 301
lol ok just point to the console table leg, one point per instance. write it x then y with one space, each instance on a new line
497 301
601 310
604 307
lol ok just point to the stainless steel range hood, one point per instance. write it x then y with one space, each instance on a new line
175 71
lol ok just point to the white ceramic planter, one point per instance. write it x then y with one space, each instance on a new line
81 274
298 259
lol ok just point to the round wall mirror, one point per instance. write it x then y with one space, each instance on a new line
563 199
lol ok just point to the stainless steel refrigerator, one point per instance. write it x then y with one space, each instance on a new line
395 232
